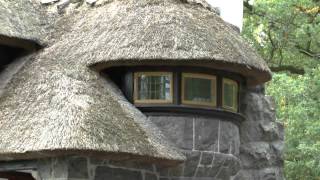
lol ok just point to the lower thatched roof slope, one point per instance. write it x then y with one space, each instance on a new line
20 19
144 32
60 107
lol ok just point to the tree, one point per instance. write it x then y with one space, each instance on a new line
286 33
298 105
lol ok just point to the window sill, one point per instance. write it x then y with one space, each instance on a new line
171 110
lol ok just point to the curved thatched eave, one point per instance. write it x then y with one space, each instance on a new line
93 153
22 24
253 75
154 32
27 45
55 108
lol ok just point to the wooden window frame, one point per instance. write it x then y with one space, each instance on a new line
235 106
152 101
212 78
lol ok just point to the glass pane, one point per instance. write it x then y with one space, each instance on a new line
154 87
198 90
228 95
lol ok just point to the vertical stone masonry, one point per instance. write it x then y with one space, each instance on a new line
211 146
262 139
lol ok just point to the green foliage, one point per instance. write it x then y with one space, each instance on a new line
285 32
298 103
287 35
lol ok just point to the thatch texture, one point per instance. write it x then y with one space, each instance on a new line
56 107
140 32
20 19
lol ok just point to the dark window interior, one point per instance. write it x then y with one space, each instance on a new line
13 175
8 55
117 75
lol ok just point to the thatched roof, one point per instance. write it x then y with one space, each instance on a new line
21 24
53 107
140 32
57 105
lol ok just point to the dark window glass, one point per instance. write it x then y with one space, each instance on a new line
199 89
230 94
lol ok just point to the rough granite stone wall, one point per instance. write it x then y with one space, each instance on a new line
211 145
262 139
206 166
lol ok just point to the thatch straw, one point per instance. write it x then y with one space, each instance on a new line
141 32
20 19
55 107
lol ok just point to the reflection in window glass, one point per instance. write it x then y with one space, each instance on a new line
230 94
154 87
199 89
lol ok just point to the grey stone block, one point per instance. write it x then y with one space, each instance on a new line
132 165
246 175
45 168
162 171
227 165
268 174
206 158
60 168
164 178
206 134
191 163
278 147
257 155
229 142
149 176
205 172
250 131
270 130
176 171
178 129
77 167
107 173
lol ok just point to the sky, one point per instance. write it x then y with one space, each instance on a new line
231 10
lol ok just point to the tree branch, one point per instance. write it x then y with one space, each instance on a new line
291 69
308 52
248 5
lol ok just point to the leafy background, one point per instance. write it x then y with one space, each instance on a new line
287 35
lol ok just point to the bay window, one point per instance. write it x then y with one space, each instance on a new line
179 89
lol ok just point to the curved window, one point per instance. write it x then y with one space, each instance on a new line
199 89
230 94
180 89
153 87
